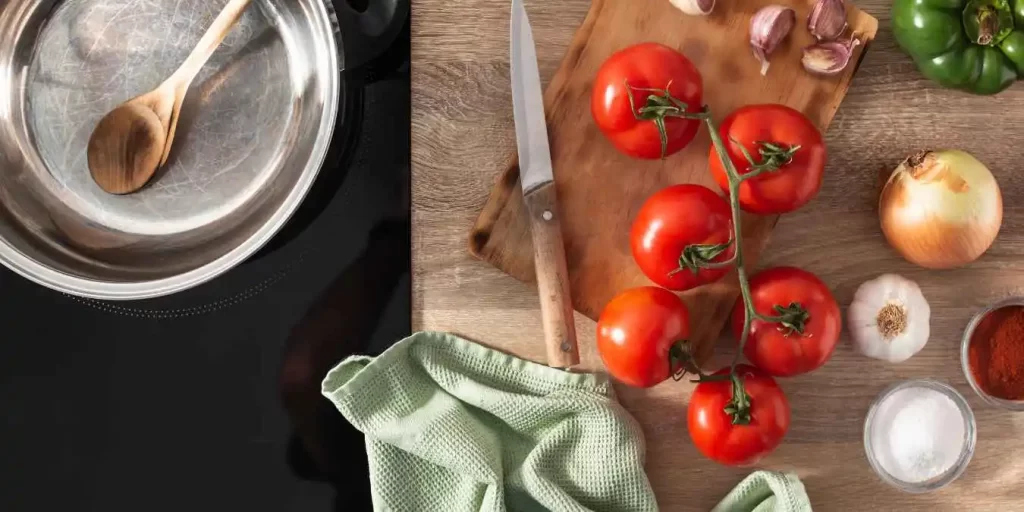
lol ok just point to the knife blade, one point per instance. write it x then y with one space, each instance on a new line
539 195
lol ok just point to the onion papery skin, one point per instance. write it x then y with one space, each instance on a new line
941 209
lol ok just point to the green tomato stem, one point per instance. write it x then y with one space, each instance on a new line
738 407
678 355
696 257
658 106
715 265
773 156
792 319
735 180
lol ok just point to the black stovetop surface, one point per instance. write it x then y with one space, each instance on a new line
175 404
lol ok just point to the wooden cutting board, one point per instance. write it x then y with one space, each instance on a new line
600 190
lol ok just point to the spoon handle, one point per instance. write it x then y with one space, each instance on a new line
210 41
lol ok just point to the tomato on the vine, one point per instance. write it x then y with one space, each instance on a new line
637 98
763 416
783 146
676 230
807 326
639 335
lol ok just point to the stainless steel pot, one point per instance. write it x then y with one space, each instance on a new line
253 134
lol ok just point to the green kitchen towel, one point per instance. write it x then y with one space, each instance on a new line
766 491
451 425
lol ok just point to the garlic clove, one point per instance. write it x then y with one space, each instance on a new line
827 20
829 58
769 27
761 57
694 7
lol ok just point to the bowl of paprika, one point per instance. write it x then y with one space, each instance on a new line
992 354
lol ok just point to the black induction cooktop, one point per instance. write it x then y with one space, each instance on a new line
203 400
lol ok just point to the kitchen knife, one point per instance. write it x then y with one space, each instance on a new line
539 194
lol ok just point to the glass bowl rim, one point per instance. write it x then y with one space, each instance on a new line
965 364
966 454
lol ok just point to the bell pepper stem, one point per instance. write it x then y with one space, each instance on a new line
987 22
988 25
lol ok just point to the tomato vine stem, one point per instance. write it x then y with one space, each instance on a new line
739 407
678 357
774 157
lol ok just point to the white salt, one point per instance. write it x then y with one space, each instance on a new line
917 434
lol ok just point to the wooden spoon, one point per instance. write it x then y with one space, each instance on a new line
132 141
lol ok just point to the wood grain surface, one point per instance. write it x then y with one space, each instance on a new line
600 189
462 135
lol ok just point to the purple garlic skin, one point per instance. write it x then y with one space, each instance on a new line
694 7
768 28
828 58
827 20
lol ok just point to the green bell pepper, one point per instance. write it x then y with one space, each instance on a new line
974 45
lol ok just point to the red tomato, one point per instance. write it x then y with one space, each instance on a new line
795 182
777 349
636 334
646 66
668 222
713 431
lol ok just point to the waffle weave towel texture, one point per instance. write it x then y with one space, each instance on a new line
766 491
455 426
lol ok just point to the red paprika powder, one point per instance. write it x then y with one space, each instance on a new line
996 353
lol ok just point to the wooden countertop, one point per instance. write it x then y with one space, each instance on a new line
462 136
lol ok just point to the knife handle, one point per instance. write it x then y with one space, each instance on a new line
552 277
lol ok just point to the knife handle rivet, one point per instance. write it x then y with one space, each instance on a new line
565 346
547 215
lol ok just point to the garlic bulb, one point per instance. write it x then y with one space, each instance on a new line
889 318
694 7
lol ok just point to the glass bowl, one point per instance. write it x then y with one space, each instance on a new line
1012 405
954 472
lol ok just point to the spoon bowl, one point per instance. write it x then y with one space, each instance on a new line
128 145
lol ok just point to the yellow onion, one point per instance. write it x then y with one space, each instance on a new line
941 209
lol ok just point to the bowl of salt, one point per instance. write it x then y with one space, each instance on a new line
919 435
